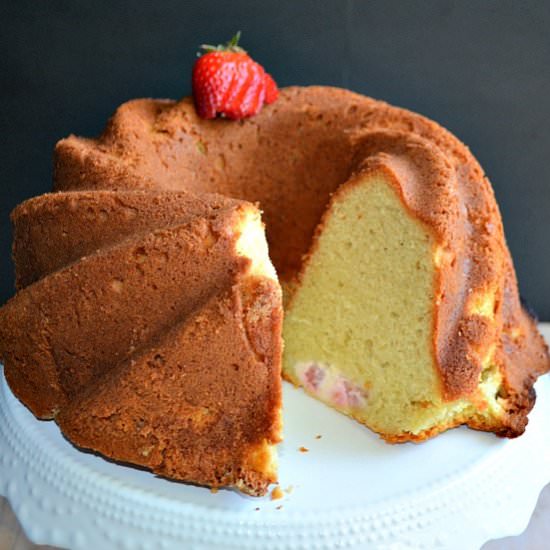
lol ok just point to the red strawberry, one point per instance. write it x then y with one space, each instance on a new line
271 90
227 81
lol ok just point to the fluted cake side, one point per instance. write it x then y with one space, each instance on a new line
146 329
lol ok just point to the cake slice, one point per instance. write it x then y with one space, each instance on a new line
139 278
383 324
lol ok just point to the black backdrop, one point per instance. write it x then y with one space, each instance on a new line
482 69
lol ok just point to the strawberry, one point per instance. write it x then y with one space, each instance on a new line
271 90
228 82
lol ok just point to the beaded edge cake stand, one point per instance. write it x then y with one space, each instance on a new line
72 503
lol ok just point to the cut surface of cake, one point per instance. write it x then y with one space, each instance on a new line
361 329
357 331
402 308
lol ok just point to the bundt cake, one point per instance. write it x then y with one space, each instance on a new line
147 315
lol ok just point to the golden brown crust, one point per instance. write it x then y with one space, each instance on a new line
104 277
56 229
176 410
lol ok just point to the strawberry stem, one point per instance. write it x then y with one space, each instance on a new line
231 46
234 42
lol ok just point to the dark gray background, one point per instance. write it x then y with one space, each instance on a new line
482 69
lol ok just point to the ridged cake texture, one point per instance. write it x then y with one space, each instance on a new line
144 326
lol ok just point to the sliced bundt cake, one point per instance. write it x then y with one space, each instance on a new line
138 291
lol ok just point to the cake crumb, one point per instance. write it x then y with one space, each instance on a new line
214 490
257 509
289 489
276 493
318 436
303 449
280 507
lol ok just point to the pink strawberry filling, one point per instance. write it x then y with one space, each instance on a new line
330 386
348 395
313 377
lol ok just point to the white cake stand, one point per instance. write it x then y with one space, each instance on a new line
350 490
